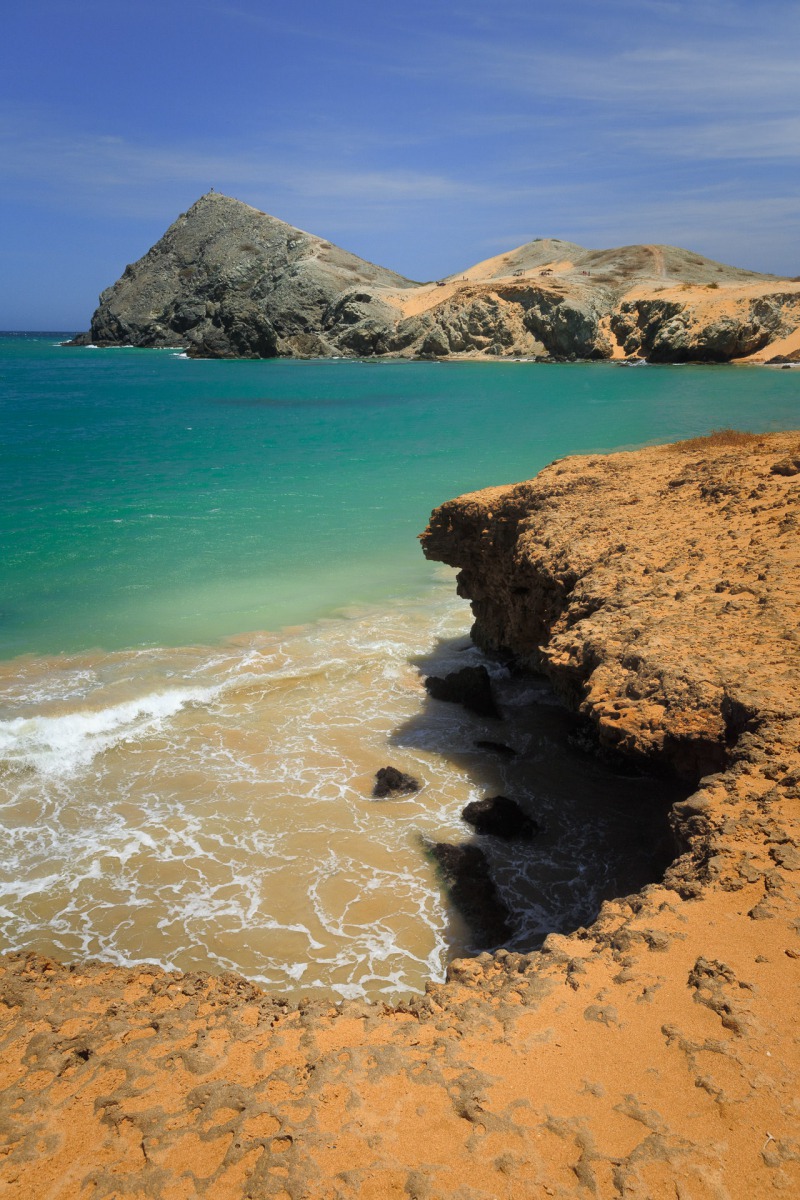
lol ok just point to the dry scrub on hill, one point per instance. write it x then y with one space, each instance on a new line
718 438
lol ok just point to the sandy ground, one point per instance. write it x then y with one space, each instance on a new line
654 1055
788 346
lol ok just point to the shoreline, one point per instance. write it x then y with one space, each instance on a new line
654 1048
454 358
80 753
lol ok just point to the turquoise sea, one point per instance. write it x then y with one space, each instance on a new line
212 614
152 499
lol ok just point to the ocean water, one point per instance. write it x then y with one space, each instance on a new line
214 622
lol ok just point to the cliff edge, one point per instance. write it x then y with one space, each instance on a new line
650 1056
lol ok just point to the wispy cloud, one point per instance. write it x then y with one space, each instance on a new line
667 102
102 171
691 78
666 80
773 138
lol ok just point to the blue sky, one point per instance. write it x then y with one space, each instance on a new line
423 136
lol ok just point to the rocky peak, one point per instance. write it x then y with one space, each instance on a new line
227 280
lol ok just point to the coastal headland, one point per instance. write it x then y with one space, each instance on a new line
654 1054
229 281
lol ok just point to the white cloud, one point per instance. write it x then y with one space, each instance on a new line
666 80
773 138
94 166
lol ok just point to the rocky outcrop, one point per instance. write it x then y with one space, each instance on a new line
467 879
674 331
652 1055
389 781
511 320
229 281
602 572
471 686
500 817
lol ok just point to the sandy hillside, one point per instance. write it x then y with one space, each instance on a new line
552 298
229 281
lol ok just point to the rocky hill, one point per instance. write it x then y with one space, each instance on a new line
229 281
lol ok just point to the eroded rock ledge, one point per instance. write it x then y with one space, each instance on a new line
653 1055
658 590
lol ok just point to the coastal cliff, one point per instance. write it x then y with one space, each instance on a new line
657 591
228 281
654 1054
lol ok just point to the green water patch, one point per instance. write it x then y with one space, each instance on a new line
152 499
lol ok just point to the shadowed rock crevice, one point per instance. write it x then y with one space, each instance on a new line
554 824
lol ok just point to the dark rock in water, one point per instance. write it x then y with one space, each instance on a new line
465 874
496 748
500 817
389 781
471 686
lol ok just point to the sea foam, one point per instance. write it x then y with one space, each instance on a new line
63 745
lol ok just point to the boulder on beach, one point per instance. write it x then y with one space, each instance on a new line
467 878
470 687
389 781
500 817
790 465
